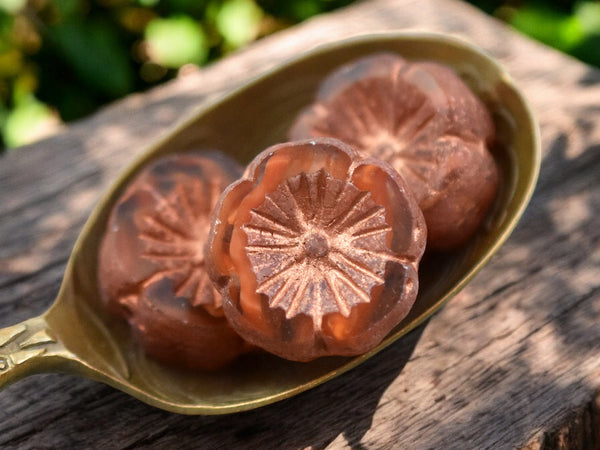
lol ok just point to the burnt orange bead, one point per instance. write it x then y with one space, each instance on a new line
151 267
316 250
426 122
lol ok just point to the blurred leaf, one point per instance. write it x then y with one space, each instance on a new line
193 8
74 102
212 10
4 96
27 122
176 41
588 14
549 25
66 9
6 26
24 34
299 10
238 21
24 85
134 19
12 6
94 52
303 9
11 62
112 3
588 50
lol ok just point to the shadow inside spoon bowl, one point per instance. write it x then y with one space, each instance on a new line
78 336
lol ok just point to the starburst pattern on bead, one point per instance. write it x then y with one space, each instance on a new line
174 235
378 128
318 245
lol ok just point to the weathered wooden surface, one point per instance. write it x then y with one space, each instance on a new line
513 361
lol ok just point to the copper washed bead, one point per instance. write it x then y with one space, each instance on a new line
151 268
426 122
316 250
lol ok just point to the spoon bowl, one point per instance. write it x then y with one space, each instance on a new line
76 335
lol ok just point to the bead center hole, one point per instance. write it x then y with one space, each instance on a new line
316 245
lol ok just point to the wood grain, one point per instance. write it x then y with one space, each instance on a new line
513 361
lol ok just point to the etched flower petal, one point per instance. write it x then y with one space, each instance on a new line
174 234
311 262
151 266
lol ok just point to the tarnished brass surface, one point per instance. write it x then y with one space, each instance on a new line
76 335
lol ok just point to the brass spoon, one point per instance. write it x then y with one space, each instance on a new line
76 336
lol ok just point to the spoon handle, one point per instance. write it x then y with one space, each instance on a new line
27 348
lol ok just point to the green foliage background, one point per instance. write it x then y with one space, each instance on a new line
572 26
62 59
